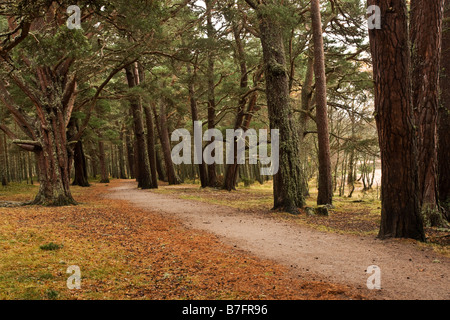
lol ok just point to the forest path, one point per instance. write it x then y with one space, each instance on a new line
408 270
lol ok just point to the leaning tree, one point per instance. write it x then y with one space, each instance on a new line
43 63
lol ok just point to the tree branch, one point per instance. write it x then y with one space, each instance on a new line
96 97
252 4
25 26
19 116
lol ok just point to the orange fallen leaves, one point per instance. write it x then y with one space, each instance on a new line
128 253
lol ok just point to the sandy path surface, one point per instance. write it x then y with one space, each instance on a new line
408 271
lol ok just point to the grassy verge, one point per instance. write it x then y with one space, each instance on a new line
20 192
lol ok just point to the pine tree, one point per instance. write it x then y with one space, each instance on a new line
400 211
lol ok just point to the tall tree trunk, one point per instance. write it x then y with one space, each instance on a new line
202 170
130 155
4 181
53 159
288 189
400 212
81 176
136 160
6 178
121 154
78 157
104 177
306 99
113 162
2 164
165 144
212 175
251 109
159 163
426 29
160 167
444 118
24 167
325 195
30 168
351 162
151 146
94 165
143 178
231 172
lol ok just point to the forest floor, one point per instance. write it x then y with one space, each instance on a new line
181 242
125 252
335 249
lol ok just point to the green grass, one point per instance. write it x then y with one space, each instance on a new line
15 191
51 246
30 272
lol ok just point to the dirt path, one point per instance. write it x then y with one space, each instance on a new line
408 271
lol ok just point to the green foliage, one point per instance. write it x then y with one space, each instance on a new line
103 107
248 182
47 48
284 14
3 24
52 294
111 134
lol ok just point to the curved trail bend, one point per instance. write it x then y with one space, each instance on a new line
408 271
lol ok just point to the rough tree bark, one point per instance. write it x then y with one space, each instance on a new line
444 118
151 146
305 115
159 163
77 157
104 177
121 154
130 155
351 161
400 212
288 189
426 30
79 161
212 175
325 195
143 174
160 167
165 144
